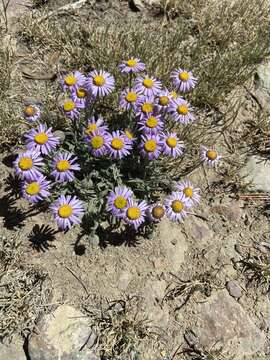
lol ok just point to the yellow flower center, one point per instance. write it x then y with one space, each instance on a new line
184 76
65 211
163 100
174 94
117 144
129 134
81 93
148 83
120 202
69 105
62 165
158 212
99 80
188 192
182 109
133 213
211 154
32 188
131 62
70 80
30 111
25 163
150 145
171 142
41 138
177 206
147 107
90 128
151 122
97 141
131 97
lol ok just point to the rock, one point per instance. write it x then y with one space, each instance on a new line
262 76
173 243
12 352
222 320
124 280
198 230
257 171
61 335
263 98
157 312
17 8
234 289
231 211
142 5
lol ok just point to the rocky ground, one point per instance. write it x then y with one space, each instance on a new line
194 291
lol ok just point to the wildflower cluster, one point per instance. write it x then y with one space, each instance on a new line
115 159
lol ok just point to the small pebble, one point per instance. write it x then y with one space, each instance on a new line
234 289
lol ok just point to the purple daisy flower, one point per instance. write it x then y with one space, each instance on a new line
97 143
151 124
27 165
99 83
176 205
209 156
67 210
36 190
41 139
183 80
163 99
71 109
32 113
181 111
145 106
189 191
118 200
63 166
128 99
81 97
94 125
150 147
118 144
156 212
148 86
135 213
171 145
72 81
132 66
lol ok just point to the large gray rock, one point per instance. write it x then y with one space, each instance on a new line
62 335
262 77
142 5
12 352
257 172
222 320
262 86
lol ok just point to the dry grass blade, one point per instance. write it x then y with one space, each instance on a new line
185 289
257 271
23 291
121 327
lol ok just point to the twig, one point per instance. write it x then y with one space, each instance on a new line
176 352
260 197
198 216
63 9
76 277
